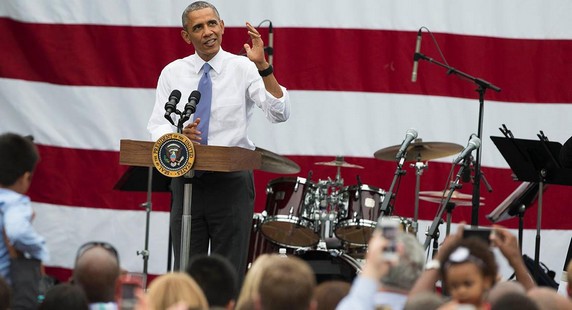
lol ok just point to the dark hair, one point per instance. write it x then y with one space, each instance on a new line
514 301
197 5
478 253
18 155
216 276
65 296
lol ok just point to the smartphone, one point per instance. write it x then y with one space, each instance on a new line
390 228
128 284
482 233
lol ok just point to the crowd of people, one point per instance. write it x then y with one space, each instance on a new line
463 273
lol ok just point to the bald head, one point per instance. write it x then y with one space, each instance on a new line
96 271
547 298
506 287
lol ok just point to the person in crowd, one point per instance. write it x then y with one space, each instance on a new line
65 296
251 284
391 291
513 300
547 298
96 270
18 159
286 284
217 278
468 272
174 289
328 294
503 288
424 301
231 86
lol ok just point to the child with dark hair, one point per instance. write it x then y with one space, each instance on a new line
18 158
65 296
469 271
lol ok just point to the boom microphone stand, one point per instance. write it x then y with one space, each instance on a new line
482 86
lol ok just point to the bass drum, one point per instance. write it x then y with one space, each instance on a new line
289 212
330 265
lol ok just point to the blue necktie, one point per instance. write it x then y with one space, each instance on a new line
204 106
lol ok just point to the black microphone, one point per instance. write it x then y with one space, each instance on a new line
474 143
270 49
410 135
415 57
191 106
466 175
171 105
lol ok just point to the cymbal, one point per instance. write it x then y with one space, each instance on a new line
419 150
339 162
457 202
439 194
272 162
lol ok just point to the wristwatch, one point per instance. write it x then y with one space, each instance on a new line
433 264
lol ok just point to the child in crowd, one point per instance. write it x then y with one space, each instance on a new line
469 271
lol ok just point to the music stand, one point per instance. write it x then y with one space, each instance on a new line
515 205
534 161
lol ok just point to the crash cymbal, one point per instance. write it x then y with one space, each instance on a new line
272 162
438 194
339 162
419 150
457 202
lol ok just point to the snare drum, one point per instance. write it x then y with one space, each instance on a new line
330 265
360 210
289 213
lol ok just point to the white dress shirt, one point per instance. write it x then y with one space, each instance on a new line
237 87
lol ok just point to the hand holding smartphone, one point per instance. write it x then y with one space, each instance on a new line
390 230
127 286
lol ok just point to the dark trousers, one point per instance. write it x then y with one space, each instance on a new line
222 207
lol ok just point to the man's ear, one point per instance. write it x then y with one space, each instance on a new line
185 35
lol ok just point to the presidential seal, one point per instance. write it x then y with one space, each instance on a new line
173 155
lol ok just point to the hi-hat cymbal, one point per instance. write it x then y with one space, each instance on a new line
438 194
419 150
339 162
456 202
272 162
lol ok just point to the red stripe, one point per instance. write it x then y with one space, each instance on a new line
305 59
74 177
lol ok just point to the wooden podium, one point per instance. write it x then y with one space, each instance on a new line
210 158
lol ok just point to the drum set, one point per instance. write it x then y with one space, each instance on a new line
328 223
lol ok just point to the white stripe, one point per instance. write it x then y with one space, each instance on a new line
323 123
508 18
67 228
75 116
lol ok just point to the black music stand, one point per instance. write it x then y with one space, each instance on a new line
534 161
515 205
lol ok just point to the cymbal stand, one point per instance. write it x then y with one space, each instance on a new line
450 207
419 167
389 195
432 233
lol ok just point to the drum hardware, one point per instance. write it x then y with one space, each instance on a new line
419 152
459 199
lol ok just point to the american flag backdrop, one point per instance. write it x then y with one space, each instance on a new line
80 75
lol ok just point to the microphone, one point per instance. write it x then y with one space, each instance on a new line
466 175
171 105
474 143
270 43
191 106
410 135
415 58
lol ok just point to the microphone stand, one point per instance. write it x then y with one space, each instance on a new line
482 87
389 195
433 230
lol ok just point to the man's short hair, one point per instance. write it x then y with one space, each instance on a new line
18 155
197 5
410 265
217 278
96 271
288 284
